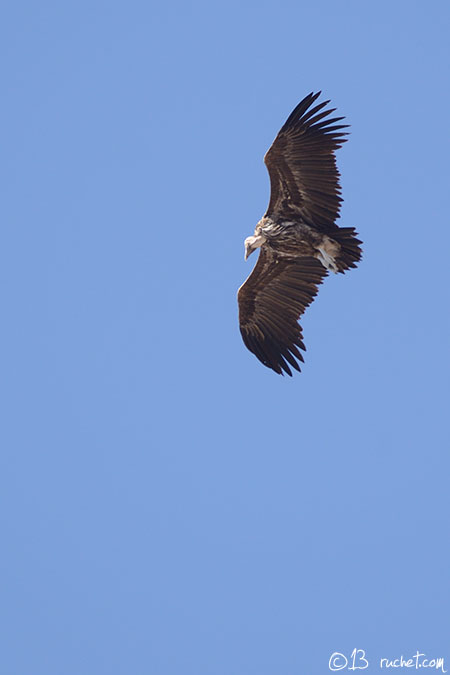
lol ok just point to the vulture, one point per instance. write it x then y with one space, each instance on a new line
298 238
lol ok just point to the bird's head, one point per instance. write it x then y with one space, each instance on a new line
252 243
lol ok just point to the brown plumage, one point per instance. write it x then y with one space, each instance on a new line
298 236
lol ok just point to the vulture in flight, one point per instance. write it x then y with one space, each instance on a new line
298 238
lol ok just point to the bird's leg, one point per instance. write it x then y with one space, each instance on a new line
327 252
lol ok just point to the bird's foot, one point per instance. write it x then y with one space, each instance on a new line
326 259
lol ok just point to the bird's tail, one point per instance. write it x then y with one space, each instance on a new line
350 252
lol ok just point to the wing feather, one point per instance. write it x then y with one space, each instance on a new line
304 179
270 303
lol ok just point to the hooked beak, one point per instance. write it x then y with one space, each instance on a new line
248 251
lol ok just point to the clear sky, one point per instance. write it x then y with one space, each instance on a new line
169 506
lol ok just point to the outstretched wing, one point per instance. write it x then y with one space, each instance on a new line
304 179
270 303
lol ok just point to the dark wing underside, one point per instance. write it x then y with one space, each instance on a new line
270 303
304 179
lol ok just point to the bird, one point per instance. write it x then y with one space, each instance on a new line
298 239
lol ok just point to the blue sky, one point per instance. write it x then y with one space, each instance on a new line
169 505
